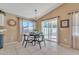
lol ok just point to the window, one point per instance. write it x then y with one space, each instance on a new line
1 19
28 26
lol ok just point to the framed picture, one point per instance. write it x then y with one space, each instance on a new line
11 22
64 23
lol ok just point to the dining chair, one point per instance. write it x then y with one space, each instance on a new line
40 39
27 39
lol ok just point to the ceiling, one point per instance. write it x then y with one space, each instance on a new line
27 9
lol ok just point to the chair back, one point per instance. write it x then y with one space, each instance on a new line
26 37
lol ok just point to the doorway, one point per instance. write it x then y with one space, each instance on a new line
50 29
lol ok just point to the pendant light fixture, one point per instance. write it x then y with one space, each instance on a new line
35 14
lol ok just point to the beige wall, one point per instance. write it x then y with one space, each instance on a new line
11 34
61 11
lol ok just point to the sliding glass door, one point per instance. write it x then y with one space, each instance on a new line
49 29
53 29
45 28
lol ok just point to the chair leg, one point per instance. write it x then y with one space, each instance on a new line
25 44
34 43
39 45
44 43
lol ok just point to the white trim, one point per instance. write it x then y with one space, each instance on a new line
65 45
9 43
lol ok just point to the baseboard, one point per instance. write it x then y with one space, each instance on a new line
10 43
52 41
65 45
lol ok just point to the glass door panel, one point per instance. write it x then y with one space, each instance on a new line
53 30
49 29
45 29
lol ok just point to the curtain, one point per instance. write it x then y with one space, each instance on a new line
75 24
75 30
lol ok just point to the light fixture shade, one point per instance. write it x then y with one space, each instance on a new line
2 12
35 10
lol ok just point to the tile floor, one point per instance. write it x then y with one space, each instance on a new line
50 49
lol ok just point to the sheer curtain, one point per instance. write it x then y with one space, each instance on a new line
75 30
75 25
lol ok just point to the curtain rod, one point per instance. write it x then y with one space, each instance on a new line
50 18
73 12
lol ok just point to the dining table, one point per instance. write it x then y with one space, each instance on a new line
35 38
